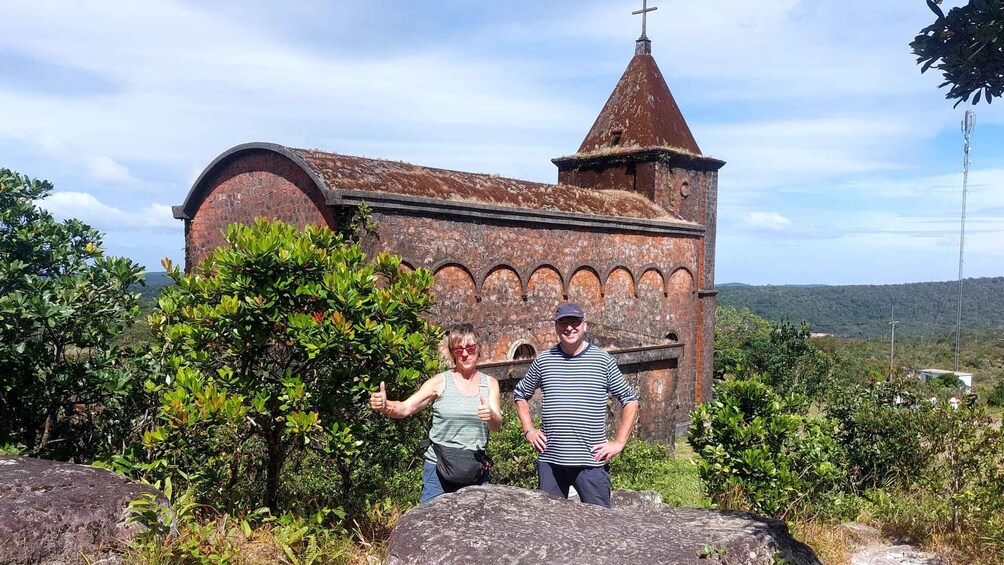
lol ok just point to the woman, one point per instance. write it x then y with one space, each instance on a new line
465 406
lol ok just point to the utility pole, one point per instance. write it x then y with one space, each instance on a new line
892 344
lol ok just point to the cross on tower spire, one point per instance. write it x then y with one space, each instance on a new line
644 15
643 45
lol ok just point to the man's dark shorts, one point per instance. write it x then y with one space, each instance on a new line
592 483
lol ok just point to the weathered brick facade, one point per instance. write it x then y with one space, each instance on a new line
628 233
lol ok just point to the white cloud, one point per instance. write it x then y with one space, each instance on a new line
106 170
770 221
88 209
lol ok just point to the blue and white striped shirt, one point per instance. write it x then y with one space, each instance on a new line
574 390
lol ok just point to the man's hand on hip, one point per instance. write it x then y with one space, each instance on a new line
607 450
537 439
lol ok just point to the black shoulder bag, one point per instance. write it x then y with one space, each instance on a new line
457 465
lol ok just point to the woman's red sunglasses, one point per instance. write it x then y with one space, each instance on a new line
470 349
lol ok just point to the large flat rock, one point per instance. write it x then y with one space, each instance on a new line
507 525
56 513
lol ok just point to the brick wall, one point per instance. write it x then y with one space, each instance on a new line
253 184
507 279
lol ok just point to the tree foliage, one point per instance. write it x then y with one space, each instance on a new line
760 453
884 429
62 301
781 352
970 472
967 46
273 346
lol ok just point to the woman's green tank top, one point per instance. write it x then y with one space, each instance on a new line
455 420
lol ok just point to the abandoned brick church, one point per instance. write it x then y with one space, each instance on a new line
628 232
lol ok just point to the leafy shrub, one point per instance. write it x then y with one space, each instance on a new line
760 454
62 303
188 533
781 352
515 459
996 396
272 348
734 328
969 474
884 430
946 382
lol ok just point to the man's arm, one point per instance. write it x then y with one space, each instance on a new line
622 391
525 389
607 450
536 437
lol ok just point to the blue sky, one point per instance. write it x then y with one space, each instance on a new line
844 162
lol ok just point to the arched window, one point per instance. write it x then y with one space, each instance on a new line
524 351
672 336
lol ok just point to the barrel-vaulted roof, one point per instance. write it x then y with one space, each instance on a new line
344 172
345 178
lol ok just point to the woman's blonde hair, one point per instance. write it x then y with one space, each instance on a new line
454 336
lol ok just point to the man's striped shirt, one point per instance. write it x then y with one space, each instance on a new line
574 391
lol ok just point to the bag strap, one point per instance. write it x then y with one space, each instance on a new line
424 445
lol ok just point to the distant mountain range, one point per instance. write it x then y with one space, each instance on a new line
926 309
154 283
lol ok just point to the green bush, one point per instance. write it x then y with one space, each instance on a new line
759 453
515 459
969 473
734 328
271 349
996 396
62 304
781 352
884 430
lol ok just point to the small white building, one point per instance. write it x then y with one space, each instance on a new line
966 378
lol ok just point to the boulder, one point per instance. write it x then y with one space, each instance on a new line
56 513
896 555
870 548
507 525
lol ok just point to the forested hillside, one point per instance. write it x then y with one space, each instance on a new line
926 309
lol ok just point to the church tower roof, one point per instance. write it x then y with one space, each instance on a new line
641 112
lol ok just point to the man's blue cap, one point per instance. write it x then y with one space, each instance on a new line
569 311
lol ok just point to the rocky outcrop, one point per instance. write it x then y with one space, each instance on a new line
870 548
507 525
57 513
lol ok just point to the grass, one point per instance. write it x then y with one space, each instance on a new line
650 466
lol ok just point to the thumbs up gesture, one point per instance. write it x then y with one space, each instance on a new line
378 400
484 411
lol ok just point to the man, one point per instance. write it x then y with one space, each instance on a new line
575 379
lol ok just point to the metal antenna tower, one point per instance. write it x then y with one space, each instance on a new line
968 123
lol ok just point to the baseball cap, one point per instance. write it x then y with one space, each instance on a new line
569 311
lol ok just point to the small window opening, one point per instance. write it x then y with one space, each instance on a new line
616 136
685 189
672 336
523 352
